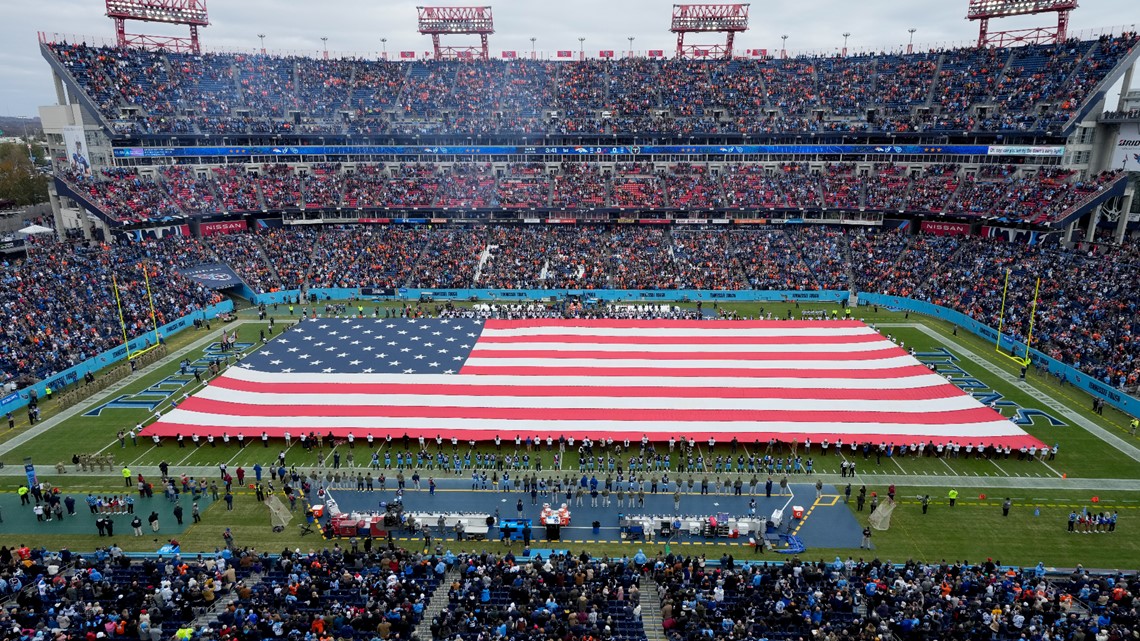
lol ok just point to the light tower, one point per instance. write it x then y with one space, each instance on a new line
185 12
910 43
261 37
984 10
703 18
438 21
325 42
846 35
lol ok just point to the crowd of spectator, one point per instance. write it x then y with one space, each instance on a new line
290 252
1024 88
368 590
707 260
244 253
1038 194
450 258
123 195
577 257
107 595
770 260
573 598
56 300
515 259
641 258
579 186
872 599
57 306
238 192
339 593
366 256
280 188
525 185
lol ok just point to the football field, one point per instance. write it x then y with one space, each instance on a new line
1096 468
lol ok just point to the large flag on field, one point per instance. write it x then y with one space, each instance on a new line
473 379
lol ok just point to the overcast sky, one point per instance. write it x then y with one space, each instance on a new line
356 27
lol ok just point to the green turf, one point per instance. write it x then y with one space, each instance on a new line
973 530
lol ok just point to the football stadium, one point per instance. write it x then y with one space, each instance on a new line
710 341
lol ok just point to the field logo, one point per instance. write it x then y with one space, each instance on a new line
947 366
156 394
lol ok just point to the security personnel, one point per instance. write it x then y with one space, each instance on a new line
953 494
23 492
127 476
1133 426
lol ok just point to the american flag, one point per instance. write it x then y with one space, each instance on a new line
475 379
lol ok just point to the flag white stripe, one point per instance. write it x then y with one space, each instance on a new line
906 382
815 348
665 365
962 402
791 333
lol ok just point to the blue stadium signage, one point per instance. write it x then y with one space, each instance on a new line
587 152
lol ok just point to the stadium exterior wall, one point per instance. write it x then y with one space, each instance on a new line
1100 389
19 398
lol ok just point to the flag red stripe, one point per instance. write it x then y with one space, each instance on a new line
224 408
916 394
686 340
170 430
507 370
554 355
625 323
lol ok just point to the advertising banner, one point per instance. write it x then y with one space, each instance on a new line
75 139
937 228
1126 153
223 227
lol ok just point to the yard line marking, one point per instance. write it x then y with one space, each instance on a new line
948 465
148 451
1051 468
1003 471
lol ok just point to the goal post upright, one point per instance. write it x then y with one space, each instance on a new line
1032 319
1001 314
1024 360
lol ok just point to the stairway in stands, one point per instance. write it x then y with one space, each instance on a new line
651 610
437 603
209 615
